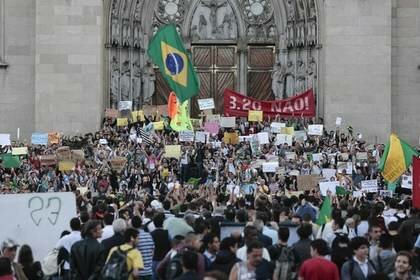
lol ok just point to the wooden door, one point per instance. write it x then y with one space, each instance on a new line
260 65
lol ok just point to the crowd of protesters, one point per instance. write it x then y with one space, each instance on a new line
212 213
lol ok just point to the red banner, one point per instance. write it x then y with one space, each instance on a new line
416 182
238 105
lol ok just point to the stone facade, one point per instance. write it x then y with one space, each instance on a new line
60 69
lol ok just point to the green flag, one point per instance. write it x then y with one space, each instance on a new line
340 190
325 212
10 161
167 51
181 121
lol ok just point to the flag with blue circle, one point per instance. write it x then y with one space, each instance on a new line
167 51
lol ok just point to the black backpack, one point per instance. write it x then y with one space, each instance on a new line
285 264
116 267
174 268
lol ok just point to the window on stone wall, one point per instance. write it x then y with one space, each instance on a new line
2 35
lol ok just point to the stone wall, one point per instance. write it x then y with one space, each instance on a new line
405 71
17 81
68 67
357 65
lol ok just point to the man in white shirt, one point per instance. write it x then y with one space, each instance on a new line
66 242
108 230
250 234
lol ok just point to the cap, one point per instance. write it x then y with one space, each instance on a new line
8 243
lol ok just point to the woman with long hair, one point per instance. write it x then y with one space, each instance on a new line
31 269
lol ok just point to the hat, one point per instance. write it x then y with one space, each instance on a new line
9 243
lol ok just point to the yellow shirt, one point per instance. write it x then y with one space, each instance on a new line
134 258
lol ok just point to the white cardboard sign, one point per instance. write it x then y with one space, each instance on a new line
38 219
407 182
206 104
270 166
4 139
227 121
338 121
125 105
263 138
369 185
328 186
315 129
284 139
186 136
201 136
276 127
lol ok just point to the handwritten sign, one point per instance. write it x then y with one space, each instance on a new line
407 182
315 129
103 141
369 186
300 135
329 174
227 121
63 153
287 130
118 163
361 156
307 182
53 138
111 113
347 166
19 151
35 215
255 116
275 127
48 160
270 167
186 136
66 165
263 138
125 105
122 121
231 138
317 157
212 127
39 139
205 104
158 125
137 116
201 136
213 118
173 151
284 139
290 155
324 187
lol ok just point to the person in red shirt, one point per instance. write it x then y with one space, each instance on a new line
318 267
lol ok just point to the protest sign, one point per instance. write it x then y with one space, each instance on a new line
231 138
38 219
275 127
287 130
201 136
122 121
235 104
329 174
118 163
227 121
186 136
4 139
263 138
324 187
205 104
294 172
290 155
19 151
347 166
315 129
213 118
338 121
212 127
343 156
300 135
317 157
53 138
385 193
255 116
284 139
77 155
246 138
361 156
248 188
158 125
103 141
270 166
125 105
173 151
369 186
255 145
307 182
63 153
66 165
111 113
149 110
10 161
407 182
39 139
48 160
137 116
357 194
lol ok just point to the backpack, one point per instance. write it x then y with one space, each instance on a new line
174 268
49 263
285 264
116 267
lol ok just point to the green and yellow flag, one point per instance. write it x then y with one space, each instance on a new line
325 212
167 51
396 159
181 121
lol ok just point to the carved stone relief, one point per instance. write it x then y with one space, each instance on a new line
213 20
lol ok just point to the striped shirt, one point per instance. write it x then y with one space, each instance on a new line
146 247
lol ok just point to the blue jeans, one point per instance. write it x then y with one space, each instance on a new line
154 267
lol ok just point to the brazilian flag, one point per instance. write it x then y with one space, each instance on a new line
167 51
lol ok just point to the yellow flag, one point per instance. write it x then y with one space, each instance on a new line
255 116
181 121
122 121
